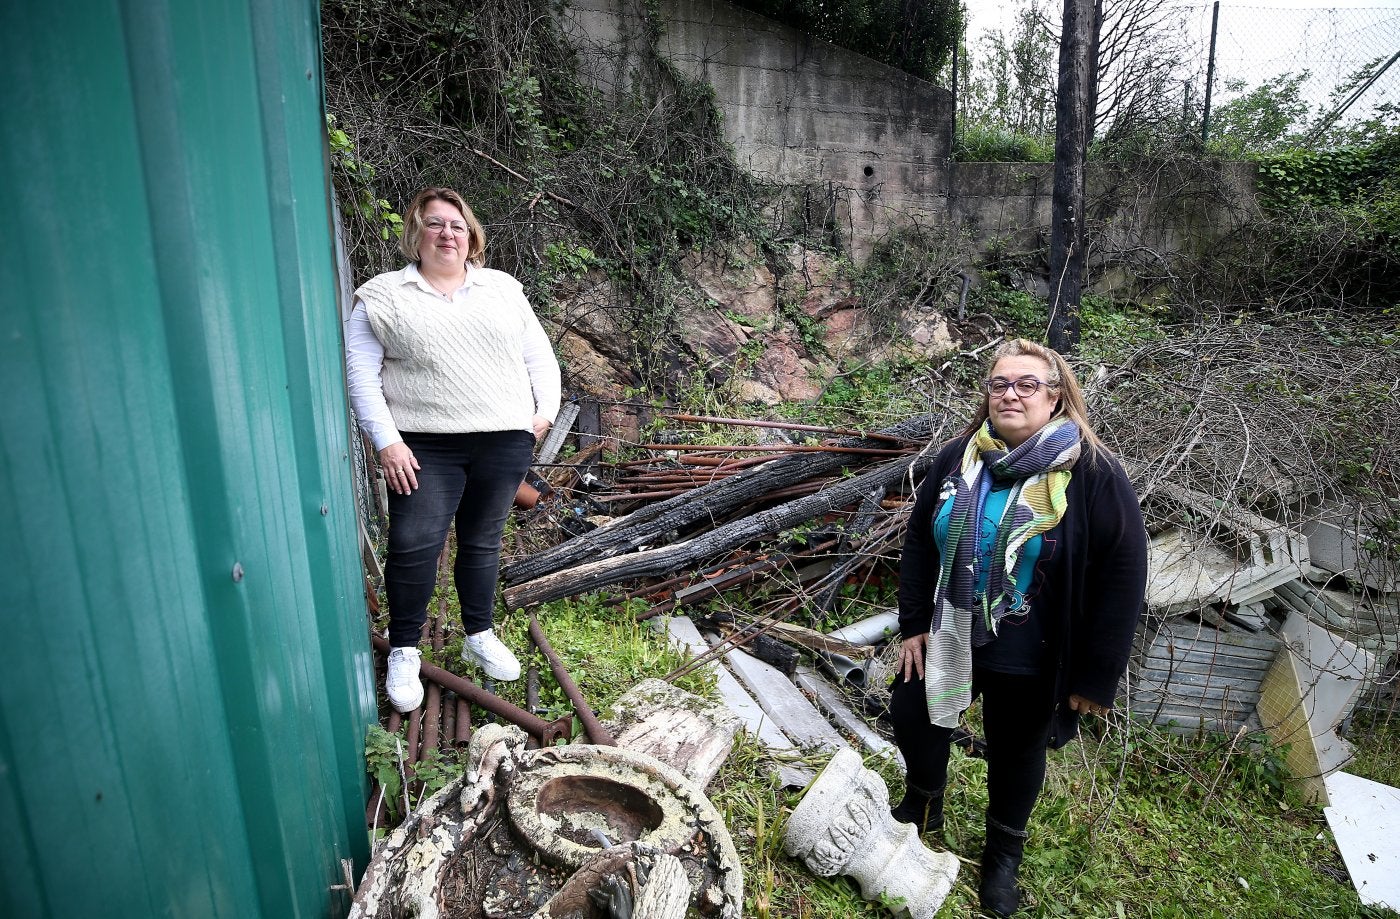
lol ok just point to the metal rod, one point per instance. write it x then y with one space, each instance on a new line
532 686
732 578
462 730
545 730
789 426
777 450
415 728
596 732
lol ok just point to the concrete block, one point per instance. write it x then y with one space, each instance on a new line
758 723
830 700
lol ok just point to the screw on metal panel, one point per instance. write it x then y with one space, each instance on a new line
347 869
237 572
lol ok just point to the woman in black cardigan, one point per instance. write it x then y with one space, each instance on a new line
1021 581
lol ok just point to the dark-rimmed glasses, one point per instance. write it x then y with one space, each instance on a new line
1025 387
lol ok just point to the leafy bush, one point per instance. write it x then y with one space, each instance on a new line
978 143
1332 223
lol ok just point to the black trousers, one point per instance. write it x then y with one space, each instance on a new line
1016 714
467 478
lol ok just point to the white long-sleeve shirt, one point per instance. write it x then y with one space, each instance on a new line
483 289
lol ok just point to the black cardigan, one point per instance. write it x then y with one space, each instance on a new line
1089 582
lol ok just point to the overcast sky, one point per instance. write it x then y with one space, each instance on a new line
1257 41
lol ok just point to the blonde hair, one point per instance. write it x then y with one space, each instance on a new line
413 224
1071 399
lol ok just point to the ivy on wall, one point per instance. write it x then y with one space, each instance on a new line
1333 219
916 36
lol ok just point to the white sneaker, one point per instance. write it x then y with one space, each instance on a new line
402 684
491 654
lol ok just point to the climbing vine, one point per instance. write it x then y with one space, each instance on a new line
575 182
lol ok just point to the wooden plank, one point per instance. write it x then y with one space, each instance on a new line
1176 648
1187 634
1196 677
1205 700
668 559
830 700
784 703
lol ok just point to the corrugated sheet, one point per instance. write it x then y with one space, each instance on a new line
1190 675
188 682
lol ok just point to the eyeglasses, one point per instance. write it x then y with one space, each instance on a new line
438 225
1025 387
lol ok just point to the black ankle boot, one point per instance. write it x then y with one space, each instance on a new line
922 808
1001 861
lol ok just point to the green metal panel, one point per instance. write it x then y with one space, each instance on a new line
188 682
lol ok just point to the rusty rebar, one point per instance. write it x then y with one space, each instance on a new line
546 731
594 728
789 426
778 450
734 577
449 717
462 729
532 686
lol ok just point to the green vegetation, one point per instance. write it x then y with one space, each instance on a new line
915 37
1331 226
1132 823
1377 739
578 189
570 183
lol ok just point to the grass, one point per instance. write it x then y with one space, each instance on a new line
1377 741
1132 823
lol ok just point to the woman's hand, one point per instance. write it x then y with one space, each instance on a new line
911 657
541 425
399 464
1084 707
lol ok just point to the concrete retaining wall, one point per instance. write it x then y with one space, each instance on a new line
871 144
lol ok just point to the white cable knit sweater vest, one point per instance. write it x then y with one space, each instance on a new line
450 368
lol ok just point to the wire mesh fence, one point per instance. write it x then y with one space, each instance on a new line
1279 72
1331 51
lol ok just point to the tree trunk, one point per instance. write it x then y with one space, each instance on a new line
1073 128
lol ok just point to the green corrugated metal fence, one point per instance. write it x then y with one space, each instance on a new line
187 678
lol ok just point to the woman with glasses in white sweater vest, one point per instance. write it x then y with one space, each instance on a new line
454 380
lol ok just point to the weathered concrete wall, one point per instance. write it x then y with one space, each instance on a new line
869 146
1140 220
797 110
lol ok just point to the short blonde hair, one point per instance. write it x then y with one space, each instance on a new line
413 224
1061 380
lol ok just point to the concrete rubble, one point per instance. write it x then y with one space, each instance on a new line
1254 625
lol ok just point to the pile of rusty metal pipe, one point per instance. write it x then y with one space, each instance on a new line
444 718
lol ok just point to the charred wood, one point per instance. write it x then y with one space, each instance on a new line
695 507
669 558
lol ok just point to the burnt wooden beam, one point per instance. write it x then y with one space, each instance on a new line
667 559
695 507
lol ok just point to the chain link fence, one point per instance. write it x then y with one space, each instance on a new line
1330 52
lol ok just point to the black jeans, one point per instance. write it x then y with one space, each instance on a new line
1016 714
469 478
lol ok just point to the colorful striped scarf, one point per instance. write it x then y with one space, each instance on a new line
1039 470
